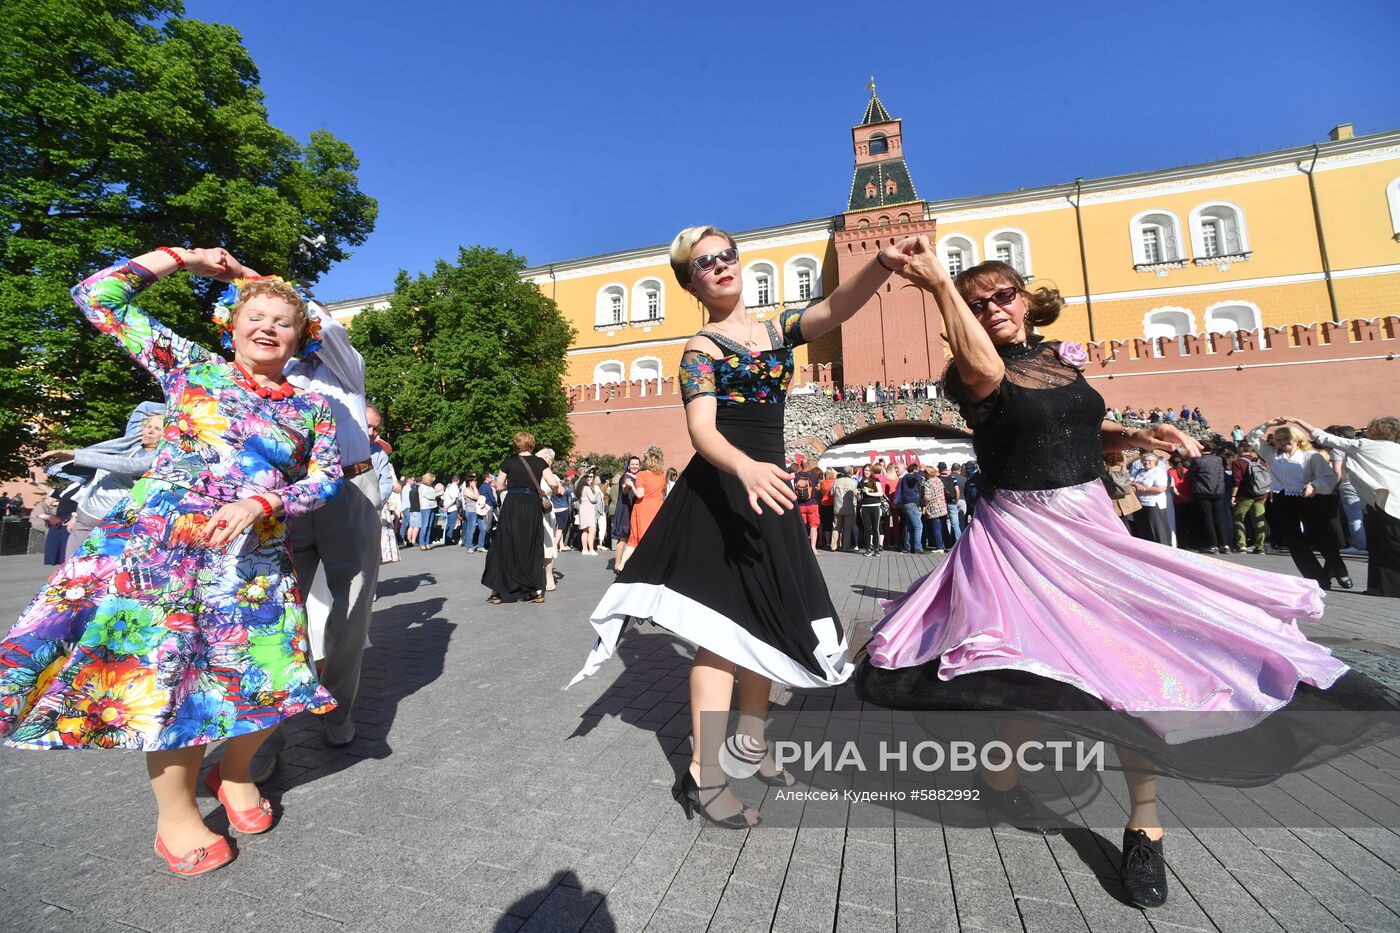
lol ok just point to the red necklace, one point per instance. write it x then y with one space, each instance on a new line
278 393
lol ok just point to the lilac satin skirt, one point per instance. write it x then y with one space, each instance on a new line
1050 583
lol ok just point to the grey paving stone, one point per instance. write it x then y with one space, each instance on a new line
481 796
808 899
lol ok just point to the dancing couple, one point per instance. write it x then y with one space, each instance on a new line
1027 597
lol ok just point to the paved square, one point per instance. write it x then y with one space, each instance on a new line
479 795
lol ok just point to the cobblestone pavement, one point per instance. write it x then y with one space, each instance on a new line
481 796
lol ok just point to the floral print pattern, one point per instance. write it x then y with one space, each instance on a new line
147 638
761 377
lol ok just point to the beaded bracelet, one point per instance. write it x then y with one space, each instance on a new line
266 506
179 263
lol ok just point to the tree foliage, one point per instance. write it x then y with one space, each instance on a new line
464 358
125 126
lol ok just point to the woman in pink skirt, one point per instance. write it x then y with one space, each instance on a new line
1047 605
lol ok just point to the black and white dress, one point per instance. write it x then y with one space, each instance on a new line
743 585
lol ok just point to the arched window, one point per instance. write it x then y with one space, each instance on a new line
1156 239
647 367
957 252
879 144
760 283
648 297
1229 317
1168 322
802 279
1392 196
1217 231
612 306
1012 247
608 371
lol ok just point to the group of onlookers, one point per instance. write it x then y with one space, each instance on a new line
1319 495
885 505
1155 415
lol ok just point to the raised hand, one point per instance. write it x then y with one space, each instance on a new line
921 263
215 263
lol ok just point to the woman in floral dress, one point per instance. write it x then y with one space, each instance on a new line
178 621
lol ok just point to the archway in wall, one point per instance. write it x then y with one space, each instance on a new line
900 442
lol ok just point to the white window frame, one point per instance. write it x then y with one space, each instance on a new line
1148 320
1212 324
1392 197
601 378
639 301
604 317
1169 228
635 376
958 241
1020 245
752 270
812 264
1213 210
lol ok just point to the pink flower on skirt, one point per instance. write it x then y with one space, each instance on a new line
1073 354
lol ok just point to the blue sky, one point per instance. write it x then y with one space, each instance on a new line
566 130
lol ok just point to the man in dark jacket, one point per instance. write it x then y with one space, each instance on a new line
1207 476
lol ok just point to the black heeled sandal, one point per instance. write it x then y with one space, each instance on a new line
772 780
687 793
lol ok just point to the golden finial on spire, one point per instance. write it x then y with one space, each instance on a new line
871 86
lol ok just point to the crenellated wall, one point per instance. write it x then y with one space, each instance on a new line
1326 373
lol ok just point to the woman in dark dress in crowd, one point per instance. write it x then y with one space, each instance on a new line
1047 605
515 561
727 563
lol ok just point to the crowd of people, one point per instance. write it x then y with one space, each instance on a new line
181 616
874 392
1186 415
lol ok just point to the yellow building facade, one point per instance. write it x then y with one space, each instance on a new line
1223 246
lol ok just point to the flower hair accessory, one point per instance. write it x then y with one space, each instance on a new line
226 302
1072 354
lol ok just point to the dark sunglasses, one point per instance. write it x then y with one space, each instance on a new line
707 262
1000 298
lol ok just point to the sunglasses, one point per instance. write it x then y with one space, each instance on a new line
1000 298
707 262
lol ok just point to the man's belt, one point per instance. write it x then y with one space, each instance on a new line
355 469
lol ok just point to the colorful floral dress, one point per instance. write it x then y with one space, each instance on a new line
147 638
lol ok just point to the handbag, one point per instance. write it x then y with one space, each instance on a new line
545 504
1117 484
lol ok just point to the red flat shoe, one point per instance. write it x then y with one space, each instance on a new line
196 861
249 822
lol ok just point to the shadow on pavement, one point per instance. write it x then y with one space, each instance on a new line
562 904
404 584
410 642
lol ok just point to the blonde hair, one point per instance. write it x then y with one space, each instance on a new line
1300 439
1044 303
523 442
684 244
653 459
546 454
276 288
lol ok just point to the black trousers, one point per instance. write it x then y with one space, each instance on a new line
1383 546
1218 528
1152 525
1303 525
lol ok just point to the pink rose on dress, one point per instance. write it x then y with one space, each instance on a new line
1073 354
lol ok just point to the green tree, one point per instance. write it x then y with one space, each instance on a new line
462 359
125 126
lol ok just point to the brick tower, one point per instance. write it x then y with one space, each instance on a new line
896 336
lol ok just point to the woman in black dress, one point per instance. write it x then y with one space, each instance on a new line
727 563
515 561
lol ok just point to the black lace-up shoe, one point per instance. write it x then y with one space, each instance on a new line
1144 870
1018 807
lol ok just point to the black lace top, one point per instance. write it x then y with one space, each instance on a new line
1039 429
